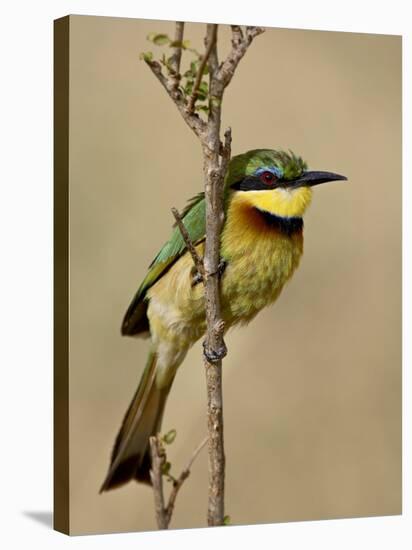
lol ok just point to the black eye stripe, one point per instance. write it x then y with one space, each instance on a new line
255 183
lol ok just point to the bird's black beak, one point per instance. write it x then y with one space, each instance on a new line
310 179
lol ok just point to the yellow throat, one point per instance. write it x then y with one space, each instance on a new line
285 203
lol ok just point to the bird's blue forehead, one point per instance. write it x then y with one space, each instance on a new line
275 170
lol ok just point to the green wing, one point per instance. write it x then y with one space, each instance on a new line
193 216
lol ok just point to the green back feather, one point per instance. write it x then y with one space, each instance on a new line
193 217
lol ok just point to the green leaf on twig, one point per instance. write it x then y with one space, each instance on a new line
146 56
188 87
169 437
226 520
179 44
204 87
194 67
203 108
158 39
166 468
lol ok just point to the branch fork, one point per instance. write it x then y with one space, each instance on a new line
164 511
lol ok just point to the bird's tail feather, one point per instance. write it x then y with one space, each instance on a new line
131 453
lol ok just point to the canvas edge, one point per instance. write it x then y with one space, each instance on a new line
61 486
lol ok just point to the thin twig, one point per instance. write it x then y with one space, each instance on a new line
239 48
196 453
226 151
211 32
177 54
193 120
156 475
197 260
252 32
159 459
237 35
199 75
177 484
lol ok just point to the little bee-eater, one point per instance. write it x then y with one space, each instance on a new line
266 194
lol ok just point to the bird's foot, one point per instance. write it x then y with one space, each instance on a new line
221 268
197 277
214 355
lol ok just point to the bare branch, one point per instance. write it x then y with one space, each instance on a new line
193 120
196 453
156 475
237 35
211 38
240 45
226 151
214 345
211 44
159 460
198 261
177 54
252 32
213 366
177 484
216 157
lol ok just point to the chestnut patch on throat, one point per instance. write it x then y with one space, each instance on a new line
287 226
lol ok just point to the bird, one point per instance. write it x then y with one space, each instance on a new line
266 193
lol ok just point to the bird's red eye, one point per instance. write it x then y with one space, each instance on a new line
267 177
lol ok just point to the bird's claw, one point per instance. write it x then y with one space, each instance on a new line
197 277
214 355
221 267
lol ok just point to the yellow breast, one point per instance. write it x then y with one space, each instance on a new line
260 260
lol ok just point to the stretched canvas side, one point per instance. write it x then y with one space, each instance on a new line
61 275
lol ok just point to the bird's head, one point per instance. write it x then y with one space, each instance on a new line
274 181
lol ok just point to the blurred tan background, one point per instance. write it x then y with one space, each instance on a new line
312 388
